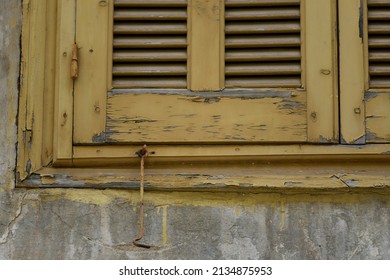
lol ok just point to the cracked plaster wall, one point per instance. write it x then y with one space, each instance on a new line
101 224
10 28
95 224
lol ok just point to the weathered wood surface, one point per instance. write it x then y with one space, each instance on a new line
63 107
352 74
206 45
320 70
378 117
259 178
92 83
186 118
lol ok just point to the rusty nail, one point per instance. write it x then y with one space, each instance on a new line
313 115
142 152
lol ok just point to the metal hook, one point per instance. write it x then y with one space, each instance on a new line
142 154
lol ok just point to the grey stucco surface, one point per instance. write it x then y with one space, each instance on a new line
95 224
10 28
38 225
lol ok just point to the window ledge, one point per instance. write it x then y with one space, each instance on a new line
243 178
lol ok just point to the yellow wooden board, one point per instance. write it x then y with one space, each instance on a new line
63 104
352 69
321 70
278 117
90 97
206 45
378 117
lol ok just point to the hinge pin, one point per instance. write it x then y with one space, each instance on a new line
74 64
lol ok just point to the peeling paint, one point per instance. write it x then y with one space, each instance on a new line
325 139
374 117
354 143
351 183
286 104
370 95
230 93
28 166
372 136
99 138
232 119
292 184
207 100
378 118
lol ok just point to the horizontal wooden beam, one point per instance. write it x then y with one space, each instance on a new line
249 178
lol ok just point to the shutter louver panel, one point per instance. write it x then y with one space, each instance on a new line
262 43
379 43
150 44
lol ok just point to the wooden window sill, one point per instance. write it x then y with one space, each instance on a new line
245 177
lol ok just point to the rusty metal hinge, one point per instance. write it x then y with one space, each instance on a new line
75 62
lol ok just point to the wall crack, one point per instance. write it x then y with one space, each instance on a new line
9 232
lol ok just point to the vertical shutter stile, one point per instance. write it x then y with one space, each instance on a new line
150 44
262 43
379 43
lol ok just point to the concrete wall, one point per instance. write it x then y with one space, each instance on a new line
101 224
10 28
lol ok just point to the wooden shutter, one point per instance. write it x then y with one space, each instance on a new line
364 40
263 46
377 98
379 43
297 110
150 44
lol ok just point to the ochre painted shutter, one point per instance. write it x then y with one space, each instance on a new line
379 43
151 33
150 44
262 43
377 102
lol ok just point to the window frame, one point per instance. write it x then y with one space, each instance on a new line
46 114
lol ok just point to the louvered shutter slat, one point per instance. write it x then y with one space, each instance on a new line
263 82
150 69
254 41
262 43
379 55
150 28
263 55
150 3
242 69
379 43
147 82
150 55
160 42
151 14
258 28
150 44
254 3
261 14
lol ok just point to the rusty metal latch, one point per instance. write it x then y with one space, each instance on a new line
142 154
74 63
